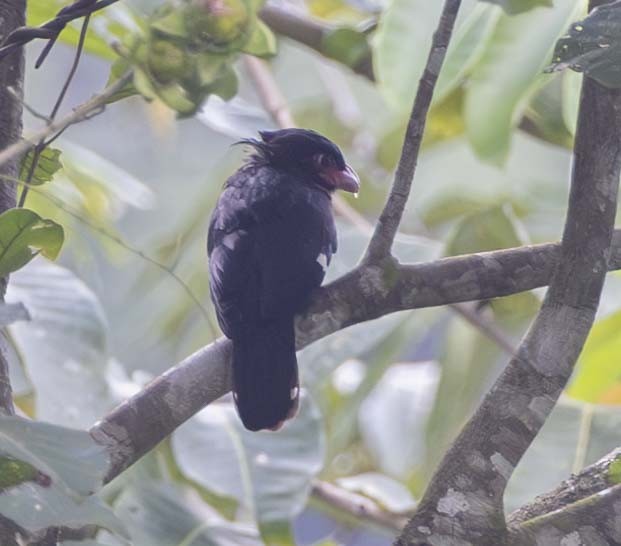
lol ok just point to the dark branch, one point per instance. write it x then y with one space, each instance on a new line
390 218
12 15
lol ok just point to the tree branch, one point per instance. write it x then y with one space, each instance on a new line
365 293
390 218
589 481
591 520
357 506
464 498
308 32
81 113
12 15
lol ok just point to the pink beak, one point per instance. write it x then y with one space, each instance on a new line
346 179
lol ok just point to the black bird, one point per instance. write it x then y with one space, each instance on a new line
271 236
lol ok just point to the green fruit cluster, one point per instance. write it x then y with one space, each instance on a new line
187 49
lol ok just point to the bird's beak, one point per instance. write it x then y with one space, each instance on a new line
346 179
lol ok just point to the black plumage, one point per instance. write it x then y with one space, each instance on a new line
270 235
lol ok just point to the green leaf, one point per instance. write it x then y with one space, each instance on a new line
171 23
269 474
508 73
572 84
400 48
226 84
493 228
23 235
143 84
49 164
262 42
519 6
175 96
66 467
598 376
466 48
209 66
118 68
593 46
346 45
64 347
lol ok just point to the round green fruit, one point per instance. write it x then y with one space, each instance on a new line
217 22
167 61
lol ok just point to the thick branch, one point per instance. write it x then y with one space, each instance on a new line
465 497
589 481
390 218
12 15
365 293
591 520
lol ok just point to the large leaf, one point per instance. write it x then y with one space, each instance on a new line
593 46
67 467
466 48
401 401
269 474
520 6
64 346
508 72
162 514
575 435
401 46
23 235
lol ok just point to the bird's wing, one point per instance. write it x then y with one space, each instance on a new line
266 243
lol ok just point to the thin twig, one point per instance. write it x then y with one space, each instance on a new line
486 327
81 113
390 218
41 145
358 506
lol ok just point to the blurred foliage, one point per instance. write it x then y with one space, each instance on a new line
384 399
185 51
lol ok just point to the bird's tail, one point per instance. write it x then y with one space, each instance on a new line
265 374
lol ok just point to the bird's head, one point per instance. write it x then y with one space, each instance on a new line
308 152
